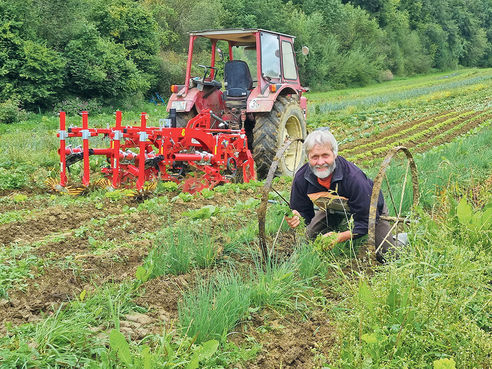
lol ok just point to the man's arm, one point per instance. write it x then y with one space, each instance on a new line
300 203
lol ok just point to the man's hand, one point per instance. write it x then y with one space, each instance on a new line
295 220
342 236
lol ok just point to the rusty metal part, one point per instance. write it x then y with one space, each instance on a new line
262 209
378 181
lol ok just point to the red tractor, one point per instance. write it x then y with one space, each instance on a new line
261 92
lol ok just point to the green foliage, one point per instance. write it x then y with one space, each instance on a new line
99 67
421 308
444 364
203 213
178 250
476 221
12 178
131 25
74 105
67 335
11 112
205 351
324 243
275 284
31 72
138 47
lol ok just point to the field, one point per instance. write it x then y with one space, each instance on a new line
106 280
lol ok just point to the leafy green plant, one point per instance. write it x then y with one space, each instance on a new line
119 194
207 193
167 186
183 196
324 243
475 220
203 213
155 205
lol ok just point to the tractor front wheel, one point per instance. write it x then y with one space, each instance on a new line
271 130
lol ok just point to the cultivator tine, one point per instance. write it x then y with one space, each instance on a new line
102 183
75 191
150 186
55 185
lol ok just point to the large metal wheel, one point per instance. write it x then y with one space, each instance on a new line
397 179
285 121
262 209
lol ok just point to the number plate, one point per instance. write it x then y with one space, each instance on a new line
178 105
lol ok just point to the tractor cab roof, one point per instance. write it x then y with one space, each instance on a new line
239 36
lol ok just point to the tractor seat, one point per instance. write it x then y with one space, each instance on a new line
238 82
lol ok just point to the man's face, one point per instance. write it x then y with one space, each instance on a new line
322 160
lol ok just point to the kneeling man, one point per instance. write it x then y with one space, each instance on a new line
325 171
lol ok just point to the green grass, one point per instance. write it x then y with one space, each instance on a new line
178 249
214 307
70 337
17 263
431 303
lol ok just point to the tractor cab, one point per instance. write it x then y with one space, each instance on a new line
251 73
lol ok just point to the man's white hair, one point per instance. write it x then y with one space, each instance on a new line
321 136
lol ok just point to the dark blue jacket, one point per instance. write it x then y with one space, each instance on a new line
348 181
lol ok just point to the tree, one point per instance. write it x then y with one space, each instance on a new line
131 25
98 67
29 70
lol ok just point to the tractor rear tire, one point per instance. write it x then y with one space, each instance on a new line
285 121
182 119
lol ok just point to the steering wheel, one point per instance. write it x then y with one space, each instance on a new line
207 69
213 82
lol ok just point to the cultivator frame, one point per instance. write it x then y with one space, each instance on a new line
163 153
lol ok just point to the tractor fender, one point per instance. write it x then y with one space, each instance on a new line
261 103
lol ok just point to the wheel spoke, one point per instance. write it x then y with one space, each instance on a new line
386 236
403 189
390 193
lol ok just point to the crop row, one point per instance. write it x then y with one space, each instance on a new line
403 95
415 138
454 129
399 133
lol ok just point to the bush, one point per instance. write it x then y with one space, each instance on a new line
75 105
30 70
100 67
11 112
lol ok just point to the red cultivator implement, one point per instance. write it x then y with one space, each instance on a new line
198 155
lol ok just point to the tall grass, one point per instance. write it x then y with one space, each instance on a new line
67 338
214 307
431 303
180 249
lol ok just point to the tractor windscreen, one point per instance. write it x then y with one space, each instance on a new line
270 55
